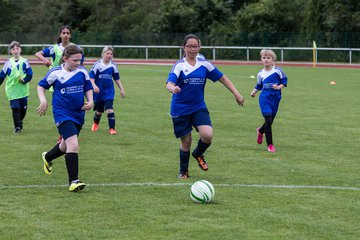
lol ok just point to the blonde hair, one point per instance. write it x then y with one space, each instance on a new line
107 48
268 52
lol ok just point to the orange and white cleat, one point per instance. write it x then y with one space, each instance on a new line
184 175
94 127
112 131
201 161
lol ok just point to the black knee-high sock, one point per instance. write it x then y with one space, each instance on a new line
184 160
267 129
111 120
16 117
72 166
262 129
22 116
55 152
97 118
201 148
22 113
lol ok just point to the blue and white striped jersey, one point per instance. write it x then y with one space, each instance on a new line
266 79
69 91
191 80
104 75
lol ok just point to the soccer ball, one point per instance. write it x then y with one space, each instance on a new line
202 192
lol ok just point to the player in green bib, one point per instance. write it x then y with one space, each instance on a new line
51 56
18 74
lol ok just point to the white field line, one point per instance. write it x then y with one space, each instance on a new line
235 185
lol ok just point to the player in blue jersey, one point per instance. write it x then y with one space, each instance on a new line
52 55
18 74
186 82
71 82
270 81
102 74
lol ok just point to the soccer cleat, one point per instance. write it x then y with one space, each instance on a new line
112 131
184 175
47 165
76 185
271 148
201 161
17 130
259 136
95 127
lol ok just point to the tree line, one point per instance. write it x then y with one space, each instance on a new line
333 23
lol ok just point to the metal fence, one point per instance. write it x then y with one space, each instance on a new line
216 53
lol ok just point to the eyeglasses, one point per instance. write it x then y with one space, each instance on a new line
192 46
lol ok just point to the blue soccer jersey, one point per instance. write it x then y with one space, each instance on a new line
104 75
191 80
269 98
266 79
69 91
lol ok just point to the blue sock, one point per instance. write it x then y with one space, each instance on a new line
97 118
184 161
72 166
201 148
55 152
111 120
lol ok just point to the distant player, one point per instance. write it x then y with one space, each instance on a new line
18 74
71 82
186 82
270 81
103 74
52 55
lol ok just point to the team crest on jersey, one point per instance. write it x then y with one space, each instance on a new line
62 90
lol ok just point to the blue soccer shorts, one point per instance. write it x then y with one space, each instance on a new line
68 128
269 104
103 106
183 124
20 103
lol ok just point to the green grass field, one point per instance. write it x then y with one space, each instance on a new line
308 189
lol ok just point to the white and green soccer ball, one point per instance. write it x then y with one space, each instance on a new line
202 192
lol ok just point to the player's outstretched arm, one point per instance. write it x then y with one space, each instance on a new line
90 100
95 87
229 85
39 55
42 108
253 92
120 86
